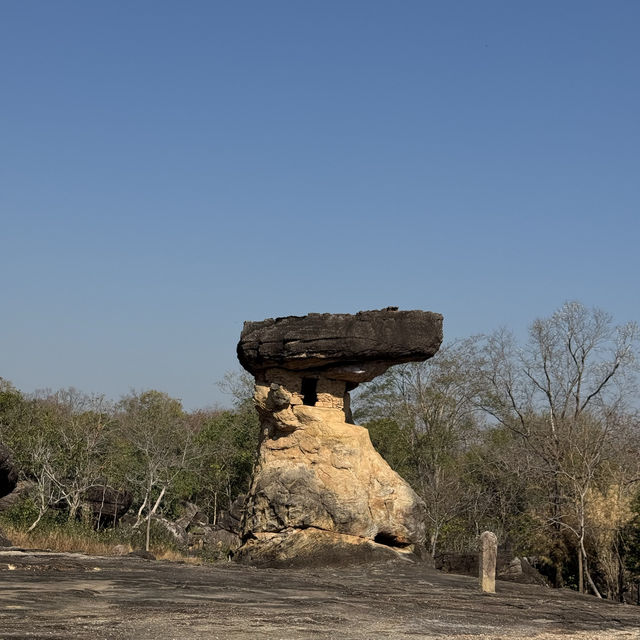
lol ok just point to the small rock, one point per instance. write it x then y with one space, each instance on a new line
141 553
4 541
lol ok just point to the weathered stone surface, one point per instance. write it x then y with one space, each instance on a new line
231 520
488 553
354 348
121 550
174 529
8 472
316 471
75 597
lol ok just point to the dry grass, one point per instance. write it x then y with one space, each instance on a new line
175 556
60 540
65 541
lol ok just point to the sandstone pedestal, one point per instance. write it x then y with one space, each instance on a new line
320 491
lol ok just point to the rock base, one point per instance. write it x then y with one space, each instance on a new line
299 548
321 494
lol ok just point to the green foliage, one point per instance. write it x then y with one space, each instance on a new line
159 537
11 401
227 441
21 514
391 442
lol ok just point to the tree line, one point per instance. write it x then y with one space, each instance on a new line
536 440
66 443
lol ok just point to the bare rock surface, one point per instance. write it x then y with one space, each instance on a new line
71 596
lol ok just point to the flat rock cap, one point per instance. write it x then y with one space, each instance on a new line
350 347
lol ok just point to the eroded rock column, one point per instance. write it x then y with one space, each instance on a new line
320 491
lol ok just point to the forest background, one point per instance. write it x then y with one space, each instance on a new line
538 441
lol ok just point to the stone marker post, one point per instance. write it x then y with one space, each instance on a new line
487 561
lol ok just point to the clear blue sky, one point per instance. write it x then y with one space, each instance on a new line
171 169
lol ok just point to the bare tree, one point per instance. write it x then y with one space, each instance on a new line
431 403
59 439
563 394
160 445
81 425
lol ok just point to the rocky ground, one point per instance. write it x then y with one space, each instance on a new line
55 595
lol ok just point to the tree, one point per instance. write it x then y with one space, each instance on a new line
227 441
159 446
79 425
429 408
565 395
59 442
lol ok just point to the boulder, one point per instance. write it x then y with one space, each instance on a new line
22 489
520 570
106 503
121 550
317 472
509 568
221 540
4 541
326 474
8 472
231 520
190 512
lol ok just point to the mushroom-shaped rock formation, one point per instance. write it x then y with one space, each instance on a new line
320 491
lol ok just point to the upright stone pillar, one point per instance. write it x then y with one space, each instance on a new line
488 553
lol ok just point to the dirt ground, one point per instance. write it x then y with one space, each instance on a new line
55 595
